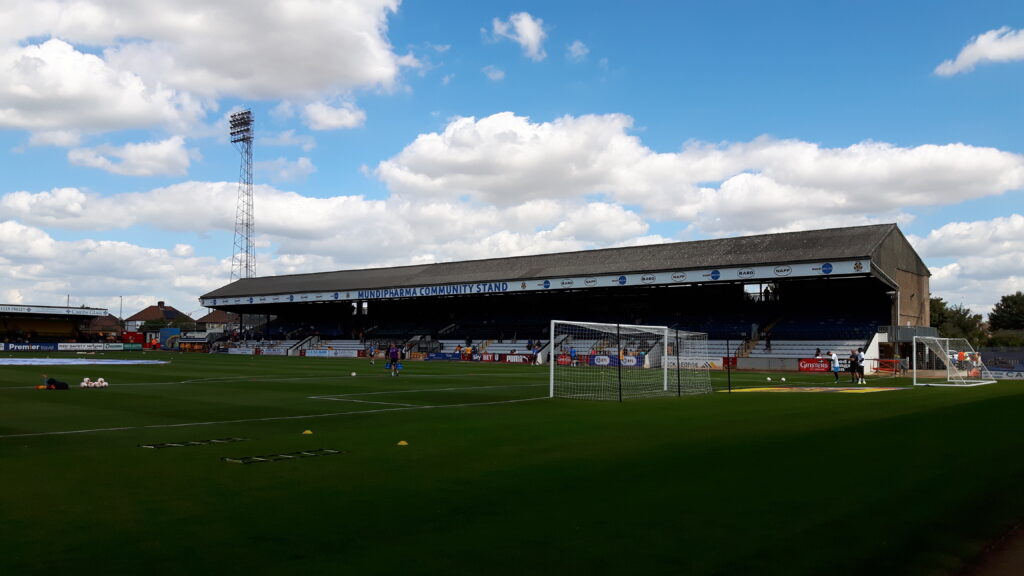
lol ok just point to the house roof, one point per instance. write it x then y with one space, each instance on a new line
154 313
108 323
219 317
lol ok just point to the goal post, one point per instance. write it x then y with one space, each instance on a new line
602 361
947 362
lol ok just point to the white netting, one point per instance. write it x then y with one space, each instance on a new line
597 361
688 363
947 362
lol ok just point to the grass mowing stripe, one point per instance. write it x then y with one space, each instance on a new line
399 407
352 413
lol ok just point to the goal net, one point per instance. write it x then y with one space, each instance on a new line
596 361
947 362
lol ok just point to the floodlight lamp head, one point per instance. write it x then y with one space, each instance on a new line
240 125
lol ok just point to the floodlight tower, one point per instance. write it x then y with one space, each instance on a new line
243 258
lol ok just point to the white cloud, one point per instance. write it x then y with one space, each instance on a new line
59 138
303 46
1000 45
967 239
493 73
285 110
322 116
44 208
577 51
52 87
284 170
526 31
170 208
765 184
987 260
111 64
600 223
166 158
96 273
289 138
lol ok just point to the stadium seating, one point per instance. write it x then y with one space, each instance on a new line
804 348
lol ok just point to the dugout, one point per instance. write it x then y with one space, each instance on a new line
830 283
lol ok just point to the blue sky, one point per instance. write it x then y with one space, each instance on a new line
396 132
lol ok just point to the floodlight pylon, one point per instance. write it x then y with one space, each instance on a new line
243 256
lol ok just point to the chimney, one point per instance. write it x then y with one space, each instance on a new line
160 304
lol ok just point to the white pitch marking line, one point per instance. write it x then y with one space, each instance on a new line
366 401
67 432
353 413
338 396
398 408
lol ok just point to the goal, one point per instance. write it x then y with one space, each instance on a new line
947 362
598 361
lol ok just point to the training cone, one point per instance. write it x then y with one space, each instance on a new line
403 443
307 431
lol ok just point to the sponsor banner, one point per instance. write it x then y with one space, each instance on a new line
274 351
519 358
444 356
485 357
605 360
826 389
318 353
133 337
1007 375
80 347
169 338
822 365
243 351
689 363
32 347
662 277
52 310
815 365
70 347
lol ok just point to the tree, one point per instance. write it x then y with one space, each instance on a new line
1008 313
939 311
957 322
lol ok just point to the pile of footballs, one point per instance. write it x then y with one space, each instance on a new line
98 383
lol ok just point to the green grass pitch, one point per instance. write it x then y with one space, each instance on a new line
492 481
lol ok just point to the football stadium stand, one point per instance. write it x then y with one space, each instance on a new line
768 296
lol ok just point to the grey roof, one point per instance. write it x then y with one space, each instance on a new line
859 242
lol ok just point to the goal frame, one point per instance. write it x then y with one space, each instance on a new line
977 374
664 357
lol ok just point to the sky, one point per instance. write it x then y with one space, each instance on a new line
397 132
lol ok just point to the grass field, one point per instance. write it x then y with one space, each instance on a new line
914 481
